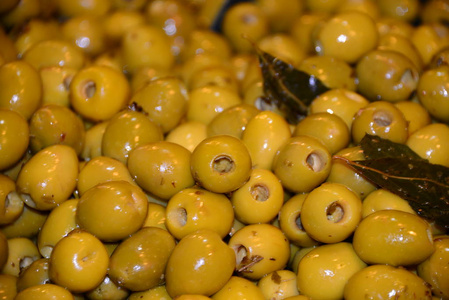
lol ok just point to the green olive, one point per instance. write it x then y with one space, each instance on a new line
279 285
188 134
121 207
221 164
386 282
393 237
49 177
139 262
93 141
302 163
8 286
44 292
11 205
382 199
239 287
259 249
54 124
415 114
431 92
161 168
22 252
232 121
193 209
14 137
156 293
201 263
27 225
56 85
324 271
35 274
107 290
4 250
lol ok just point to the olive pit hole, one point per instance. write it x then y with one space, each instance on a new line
260 192
298 222
223 164
88 89
335 212
240 254
46 251
382 118
181 217
316 161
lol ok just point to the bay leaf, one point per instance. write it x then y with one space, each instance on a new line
376 147
287 88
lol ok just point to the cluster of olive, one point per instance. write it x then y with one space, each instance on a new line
139 162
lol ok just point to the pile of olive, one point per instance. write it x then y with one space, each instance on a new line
138 160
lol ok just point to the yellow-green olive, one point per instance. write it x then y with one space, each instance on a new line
282 46
380 118
221 164
382 199
432 87
107 289
192 297
22 253
206 41
58 224
79 262
126 131
156 216
232 121
335 73
302 163
63 54
161 168
193 209
49 177
188 134
331 212
35 274
14 137
139 52
98 92
429 39
366 6
20 88
386 75
393 237
201 263
259 249
22 12
199 62
430 143
386 25
239 288
291 224
401 44
164 101
69 8
56 84
8 286
222 76
207 102
139 262
11 205
259 199
112 210
330 129
119 21
324 271
47 291
434 269
415 114
101 169
27 225
264 135
278 285
347 36
386 282
93 141
156 293
4 250
55 124
341 102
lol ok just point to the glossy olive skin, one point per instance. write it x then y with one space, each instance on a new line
193 209
11 205
161 168
14 137
431 92
331 212
139 262
232 121
188 134
127 130
221 164
27 225
415 114
201 263
279 285
21 88
260 249
34 274
302 157
49 177
382 199
386 75
164 101
239 288
8 286
54 124
107 290
120 205
323 272
386 282
56 84
434 269
47 291
156 293
78 262
22 253
393 237
93 141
